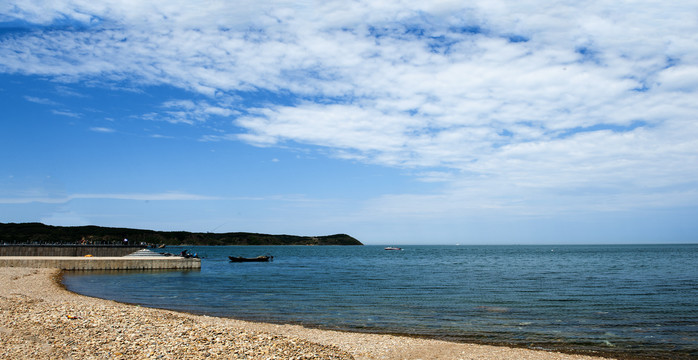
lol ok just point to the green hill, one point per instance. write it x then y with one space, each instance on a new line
37 233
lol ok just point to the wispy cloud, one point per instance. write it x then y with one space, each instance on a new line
219 137
518 102
102 129
188 112
164 196
167 196
66 113
66 91
42 101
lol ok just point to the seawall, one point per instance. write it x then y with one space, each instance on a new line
101 263
68 250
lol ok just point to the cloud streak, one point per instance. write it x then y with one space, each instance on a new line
42 101
168 196
164 196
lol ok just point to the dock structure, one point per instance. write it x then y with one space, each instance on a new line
135 258
67 250
101 263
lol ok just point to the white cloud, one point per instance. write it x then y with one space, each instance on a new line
682 78
522 104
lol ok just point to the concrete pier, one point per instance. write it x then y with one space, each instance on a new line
101 263
67 250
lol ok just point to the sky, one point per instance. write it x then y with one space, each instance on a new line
397 122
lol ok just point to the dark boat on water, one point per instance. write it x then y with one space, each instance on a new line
255 259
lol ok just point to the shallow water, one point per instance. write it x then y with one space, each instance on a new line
634 300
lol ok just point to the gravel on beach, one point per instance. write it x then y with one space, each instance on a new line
39 319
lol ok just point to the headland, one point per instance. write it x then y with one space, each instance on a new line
37 233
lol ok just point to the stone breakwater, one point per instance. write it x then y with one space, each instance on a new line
41 320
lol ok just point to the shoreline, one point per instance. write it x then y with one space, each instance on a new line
41 319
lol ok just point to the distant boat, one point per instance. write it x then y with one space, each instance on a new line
393 248
255 259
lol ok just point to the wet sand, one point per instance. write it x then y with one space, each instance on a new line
39 319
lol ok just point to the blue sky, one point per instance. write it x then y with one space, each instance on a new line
403 122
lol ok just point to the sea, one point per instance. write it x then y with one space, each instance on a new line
626 301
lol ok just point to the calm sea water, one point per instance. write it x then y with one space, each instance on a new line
640 301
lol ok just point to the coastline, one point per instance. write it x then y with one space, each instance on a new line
42 320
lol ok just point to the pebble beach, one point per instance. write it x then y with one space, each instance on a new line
39 319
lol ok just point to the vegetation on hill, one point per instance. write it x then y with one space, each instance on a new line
37 233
